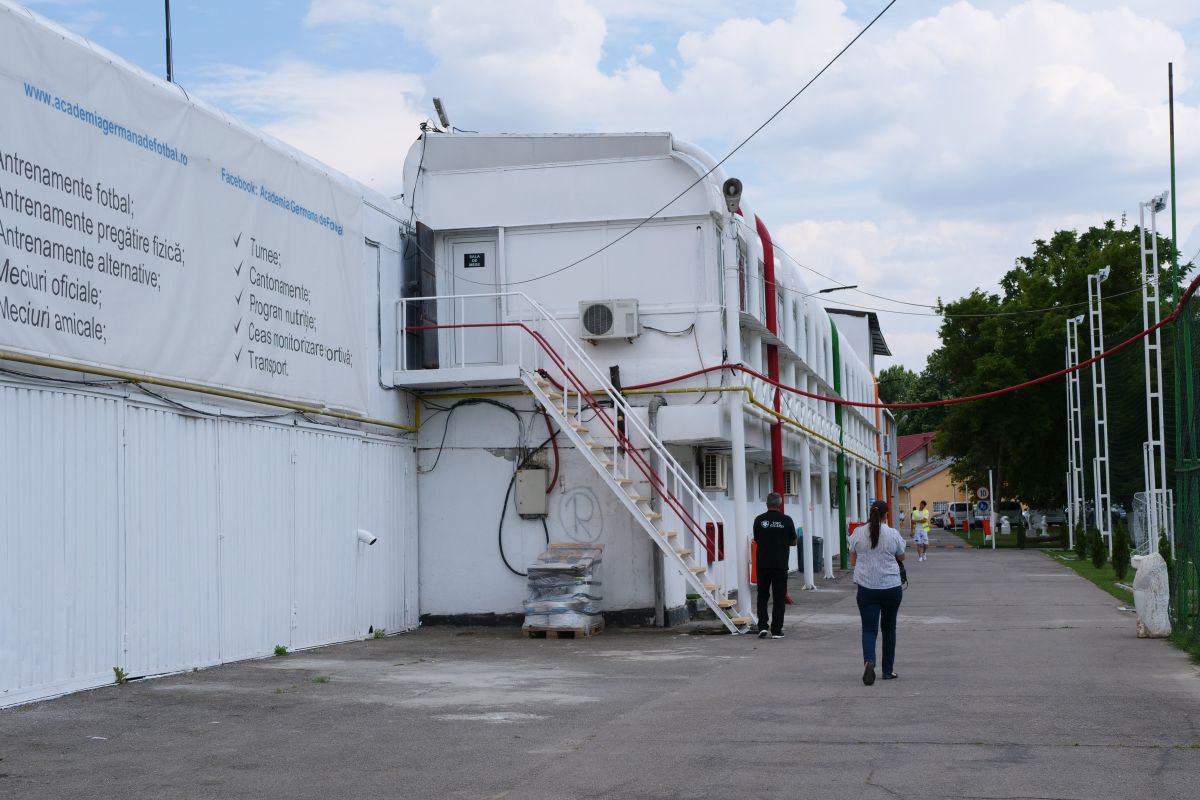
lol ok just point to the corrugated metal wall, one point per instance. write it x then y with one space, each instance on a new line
155 540
60 542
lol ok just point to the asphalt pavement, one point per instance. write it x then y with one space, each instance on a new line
1018 679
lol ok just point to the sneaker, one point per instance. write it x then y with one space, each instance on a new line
869 674
776 635
764 634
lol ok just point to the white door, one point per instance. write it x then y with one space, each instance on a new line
474 271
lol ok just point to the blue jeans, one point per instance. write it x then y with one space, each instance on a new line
874 604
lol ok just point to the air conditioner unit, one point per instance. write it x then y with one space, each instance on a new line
608 319
714 472
791 482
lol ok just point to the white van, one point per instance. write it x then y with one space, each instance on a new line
958 513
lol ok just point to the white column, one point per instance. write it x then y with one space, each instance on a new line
737 431
829 528
806 511
852 498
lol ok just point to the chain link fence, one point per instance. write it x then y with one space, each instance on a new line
1187 477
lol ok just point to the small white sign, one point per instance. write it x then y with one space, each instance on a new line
982 493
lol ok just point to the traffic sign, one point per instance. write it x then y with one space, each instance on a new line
982 506
982 493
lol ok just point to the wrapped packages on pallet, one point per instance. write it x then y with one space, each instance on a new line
564 589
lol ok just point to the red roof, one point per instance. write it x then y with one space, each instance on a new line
907 445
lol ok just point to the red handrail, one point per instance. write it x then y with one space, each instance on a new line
586 393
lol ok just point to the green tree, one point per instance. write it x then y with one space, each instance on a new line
1120 556
992 341
1099 549
898 384
1081 542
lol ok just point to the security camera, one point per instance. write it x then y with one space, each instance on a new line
732 189
366 537
1103 274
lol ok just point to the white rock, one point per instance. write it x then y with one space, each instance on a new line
1152 598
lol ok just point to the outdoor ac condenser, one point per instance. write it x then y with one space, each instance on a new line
608 319
714 472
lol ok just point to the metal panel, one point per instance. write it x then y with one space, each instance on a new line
382 583
257 520
327 480
172 619
59 542
142 537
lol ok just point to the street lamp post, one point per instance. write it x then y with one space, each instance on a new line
1100 480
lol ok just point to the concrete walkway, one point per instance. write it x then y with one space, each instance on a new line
1018 680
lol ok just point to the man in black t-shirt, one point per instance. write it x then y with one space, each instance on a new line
774 533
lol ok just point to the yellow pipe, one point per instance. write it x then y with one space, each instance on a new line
680 390
134 377
755 402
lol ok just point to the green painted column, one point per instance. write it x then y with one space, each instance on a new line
844 557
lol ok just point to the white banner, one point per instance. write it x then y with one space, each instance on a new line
141 232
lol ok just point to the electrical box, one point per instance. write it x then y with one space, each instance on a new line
531 492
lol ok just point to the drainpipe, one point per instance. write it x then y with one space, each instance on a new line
880 480
843 562
772 352
660 597
737 431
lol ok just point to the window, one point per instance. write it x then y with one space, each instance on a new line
939 506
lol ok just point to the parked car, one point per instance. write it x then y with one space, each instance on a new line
1051 516
1011 509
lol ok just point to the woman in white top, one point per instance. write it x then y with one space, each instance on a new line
876 551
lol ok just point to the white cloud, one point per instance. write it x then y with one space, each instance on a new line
358 122
921 164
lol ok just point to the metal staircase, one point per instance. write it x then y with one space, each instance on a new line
613 439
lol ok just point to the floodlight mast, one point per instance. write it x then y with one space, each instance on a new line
1076 506
1158 516
1100 480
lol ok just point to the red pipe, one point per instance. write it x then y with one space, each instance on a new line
772 352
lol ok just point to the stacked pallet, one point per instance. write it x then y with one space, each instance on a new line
563 597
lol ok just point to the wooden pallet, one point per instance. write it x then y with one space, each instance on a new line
538 632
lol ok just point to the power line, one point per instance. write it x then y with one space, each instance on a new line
703 177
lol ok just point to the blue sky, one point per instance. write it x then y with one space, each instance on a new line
952 136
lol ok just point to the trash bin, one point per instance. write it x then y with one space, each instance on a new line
818 553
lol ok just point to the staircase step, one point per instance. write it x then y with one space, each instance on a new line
625 481
727 603
740 620
698 569
592 443
651 515
671 534
578 426
709 586
683 551
606 462
639 498
553 394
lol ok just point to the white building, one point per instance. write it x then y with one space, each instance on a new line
216 387
543 230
